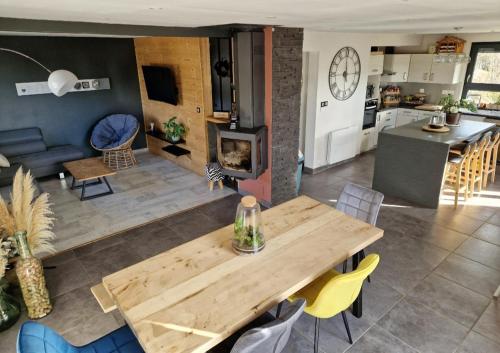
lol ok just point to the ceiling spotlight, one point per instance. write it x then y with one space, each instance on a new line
458 28
271 17
155 8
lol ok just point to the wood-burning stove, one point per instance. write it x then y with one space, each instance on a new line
242 153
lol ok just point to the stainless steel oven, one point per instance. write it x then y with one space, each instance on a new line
370 115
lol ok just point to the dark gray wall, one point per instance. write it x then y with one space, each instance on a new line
69 119
287 76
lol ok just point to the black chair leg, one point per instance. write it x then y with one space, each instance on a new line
362 257
344 317
316 335
278 310
344 267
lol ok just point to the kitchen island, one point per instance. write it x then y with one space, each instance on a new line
410 163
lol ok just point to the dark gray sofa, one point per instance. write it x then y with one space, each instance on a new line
26 147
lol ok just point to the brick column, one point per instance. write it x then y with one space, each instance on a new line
286 86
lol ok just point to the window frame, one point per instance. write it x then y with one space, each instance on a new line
468 84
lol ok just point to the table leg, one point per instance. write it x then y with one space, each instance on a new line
85 184
82 196
357 306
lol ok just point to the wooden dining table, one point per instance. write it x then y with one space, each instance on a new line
192 297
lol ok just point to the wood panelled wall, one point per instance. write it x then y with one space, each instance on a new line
189 58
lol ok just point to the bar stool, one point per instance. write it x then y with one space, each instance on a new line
458 172
490 159
477 165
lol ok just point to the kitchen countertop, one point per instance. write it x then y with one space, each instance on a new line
490 114
466 130
404 106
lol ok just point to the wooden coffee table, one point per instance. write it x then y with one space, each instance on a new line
84 170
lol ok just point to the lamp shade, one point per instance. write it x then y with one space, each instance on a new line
61 82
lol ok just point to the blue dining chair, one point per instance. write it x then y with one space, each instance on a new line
37 338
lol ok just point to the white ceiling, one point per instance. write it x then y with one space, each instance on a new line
410 16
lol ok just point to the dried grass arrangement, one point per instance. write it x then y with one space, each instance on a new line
29 220
27 213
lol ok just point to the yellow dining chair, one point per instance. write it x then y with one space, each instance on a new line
334 293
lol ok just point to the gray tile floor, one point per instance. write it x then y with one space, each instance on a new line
432 291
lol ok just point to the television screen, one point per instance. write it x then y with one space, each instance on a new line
160 84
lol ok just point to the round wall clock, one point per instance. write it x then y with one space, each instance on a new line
344 73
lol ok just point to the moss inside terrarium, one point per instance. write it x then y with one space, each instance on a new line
247 236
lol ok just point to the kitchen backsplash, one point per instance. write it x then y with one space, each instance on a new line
433 91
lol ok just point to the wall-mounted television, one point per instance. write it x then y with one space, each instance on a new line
160 84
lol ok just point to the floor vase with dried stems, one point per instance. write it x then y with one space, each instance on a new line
29 271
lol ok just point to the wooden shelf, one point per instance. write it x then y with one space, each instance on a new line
176 150
211 119
161 136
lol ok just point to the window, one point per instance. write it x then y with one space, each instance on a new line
482 81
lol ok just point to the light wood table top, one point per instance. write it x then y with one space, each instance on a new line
192 297
89 168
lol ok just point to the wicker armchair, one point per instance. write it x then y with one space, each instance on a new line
113 136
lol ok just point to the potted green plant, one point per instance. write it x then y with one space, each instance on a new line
452 108
174 131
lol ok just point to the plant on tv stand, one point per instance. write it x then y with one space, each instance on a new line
174 131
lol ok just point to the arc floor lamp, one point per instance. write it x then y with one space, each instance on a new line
60 81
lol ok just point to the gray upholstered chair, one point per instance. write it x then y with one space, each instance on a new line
273 337
361 203
270 337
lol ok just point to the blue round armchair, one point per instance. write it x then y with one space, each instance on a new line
113 136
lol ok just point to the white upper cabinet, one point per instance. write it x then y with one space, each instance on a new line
450 73
396 67
423 69
420 67
376 64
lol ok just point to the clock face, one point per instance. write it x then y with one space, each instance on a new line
344 73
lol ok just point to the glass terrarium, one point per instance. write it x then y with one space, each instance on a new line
248 234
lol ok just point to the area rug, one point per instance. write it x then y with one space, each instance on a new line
154 189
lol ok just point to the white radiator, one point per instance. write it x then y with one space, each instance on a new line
342 144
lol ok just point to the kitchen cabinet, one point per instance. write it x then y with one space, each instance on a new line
368 139
423 69
386 119
420 67
376 64
406 116
447 73
396 67
426 115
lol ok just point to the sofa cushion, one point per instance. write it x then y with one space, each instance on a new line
7 174
4 162
53 155
114 130
18 149
9 137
